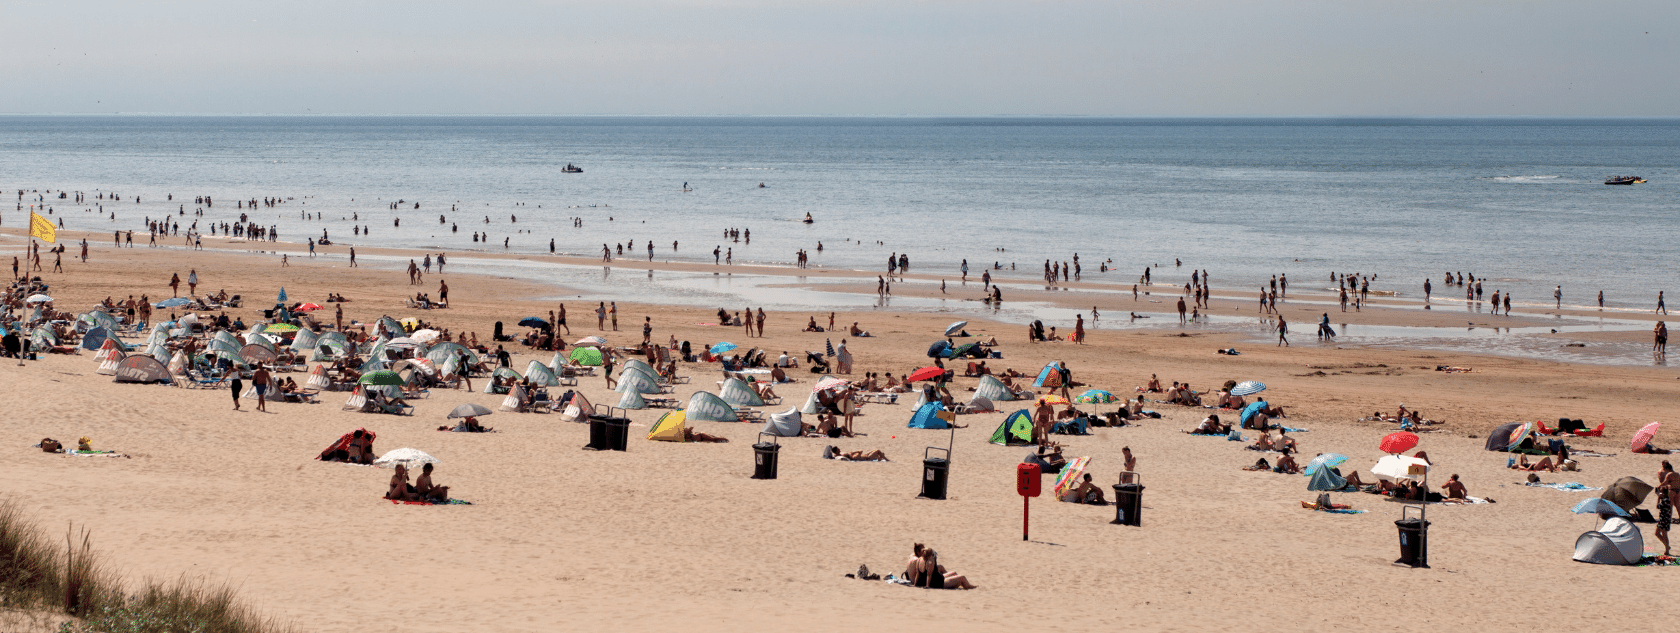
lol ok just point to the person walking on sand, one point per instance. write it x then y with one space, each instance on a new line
1283 331
174 284
1661 309
1659 336
1558 295
1079 324
561 321
237 386
1507 304
259 382
352 257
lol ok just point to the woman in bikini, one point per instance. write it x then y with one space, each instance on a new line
400 490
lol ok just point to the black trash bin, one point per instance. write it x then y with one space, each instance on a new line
936 472
1414 542
1128 503
764 458
607 433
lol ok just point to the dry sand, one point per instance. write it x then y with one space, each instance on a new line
678 537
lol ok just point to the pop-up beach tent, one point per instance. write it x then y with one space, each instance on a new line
927 417
1016 430
993 389
737 393
1050 376
705 406
670 426
784 424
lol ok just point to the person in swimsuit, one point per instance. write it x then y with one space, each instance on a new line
1668 491
400 490
932 575
424 488
259 381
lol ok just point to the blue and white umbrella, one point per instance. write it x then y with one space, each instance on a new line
1327 460
722 347
1248 388
1601 507
282 298
954 328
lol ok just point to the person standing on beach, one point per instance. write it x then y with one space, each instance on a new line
965 271
747 322
1426 289
729 256
601 316
1668 492
1262 299
717 254
1659 336
1601 300
192 282
58 262
352 257
1661 309
1507 304
443 292
174 282
1079 324
1558 295
237 386
647 329
1283 284
84 250
259 382
562 320
761 322
338 318
1181 309
1283 331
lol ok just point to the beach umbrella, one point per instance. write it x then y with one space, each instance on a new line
1095 396
1398 442
591 341
966 349
402 342
382 377
1054 399
1517 434
1642 437
282 297
280 328
829 382
954 328
409 323
257 354
586 356
1327 460
1601 507
1248 388
39 299
1627 492
469 410
532 321
425 336
830 344
1069 477
939 349
926 373
176 302
723 347
309 307
1396 467
407 457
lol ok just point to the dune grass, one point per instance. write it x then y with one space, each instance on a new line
39 577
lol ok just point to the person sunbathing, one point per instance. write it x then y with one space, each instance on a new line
424 488
468 424
691 435
1263 444
1259 465
400 490
766 391
1210 426
930 574
1048 462
1228 401
1545 464
812 326
857 331
1085 492
1455 490
828 425
1287 465
1285 443
1154 385
864 456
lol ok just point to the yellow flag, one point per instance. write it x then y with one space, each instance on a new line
42 228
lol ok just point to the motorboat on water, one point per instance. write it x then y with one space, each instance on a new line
572 169
1623 180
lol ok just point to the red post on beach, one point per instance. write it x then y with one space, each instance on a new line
1027 483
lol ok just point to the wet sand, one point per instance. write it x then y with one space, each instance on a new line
677 536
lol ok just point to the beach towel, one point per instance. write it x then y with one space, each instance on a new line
1571 486
75 453
451 502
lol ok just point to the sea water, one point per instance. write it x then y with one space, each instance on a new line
1518 202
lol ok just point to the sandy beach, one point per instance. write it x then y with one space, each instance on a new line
678 537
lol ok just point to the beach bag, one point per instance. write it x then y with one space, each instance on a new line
50 445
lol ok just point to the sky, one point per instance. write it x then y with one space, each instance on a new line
829 57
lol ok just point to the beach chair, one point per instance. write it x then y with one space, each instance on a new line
744 414
884 397
661 403
202 381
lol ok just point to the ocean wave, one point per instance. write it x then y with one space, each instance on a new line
1525 179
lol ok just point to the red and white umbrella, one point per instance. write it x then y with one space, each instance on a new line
1396 443
308 307
1642 437
829 382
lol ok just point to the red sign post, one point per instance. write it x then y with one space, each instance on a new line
1027 483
